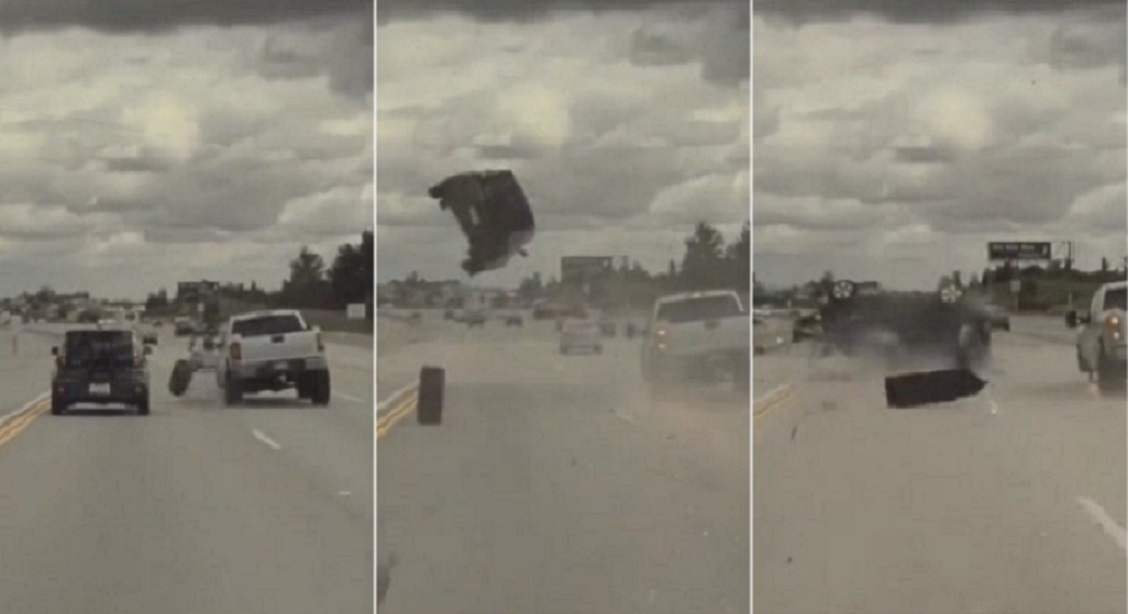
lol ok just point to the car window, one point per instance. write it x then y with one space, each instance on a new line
1116 299
109 348
267 325
704 308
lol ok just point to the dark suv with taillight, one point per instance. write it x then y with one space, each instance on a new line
101 367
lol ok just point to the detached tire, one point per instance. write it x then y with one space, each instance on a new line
233 390
180 379
320 391
143 406
429 406
58 406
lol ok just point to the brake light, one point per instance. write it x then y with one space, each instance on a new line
1112 324
660 336
236 351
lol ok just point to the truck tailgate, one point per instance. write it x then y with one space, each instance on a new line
265 348
707 336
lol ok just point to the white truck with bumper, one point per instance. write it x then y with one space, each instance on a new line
1101 342
272 350
697 337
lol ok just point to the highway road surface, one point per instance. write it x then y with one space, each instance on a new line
264 508
554 485
1013 501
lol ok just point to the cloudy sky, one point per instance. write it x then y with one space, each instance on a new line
626 122
892 140
150 142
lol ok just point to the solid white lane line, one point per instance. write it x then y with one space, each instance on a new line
268 441
1115 531
349 397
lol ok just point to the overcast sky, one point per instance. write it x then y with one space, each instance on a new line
150 142
893 140
626 122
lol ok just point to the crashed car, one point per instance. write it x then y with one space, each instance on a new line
493 213
944 333
940 325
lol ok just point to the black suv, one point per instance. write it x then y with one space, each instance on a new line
102 367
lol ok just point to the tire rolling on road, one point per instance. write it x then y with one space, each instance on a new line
429 409
180 379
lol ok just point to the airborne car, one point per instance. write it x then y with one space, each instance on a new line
945 327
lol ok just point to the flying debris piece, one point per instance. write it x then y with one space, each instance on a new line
924 388
494 214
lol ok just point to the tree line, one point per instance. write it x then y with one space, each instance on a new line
311 284
707 263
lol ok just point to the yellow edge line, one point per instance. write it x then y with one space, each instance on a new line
408 407
408 400
769 406
20 424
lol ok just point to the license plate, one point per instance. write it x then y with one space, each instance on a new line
99 389
281 366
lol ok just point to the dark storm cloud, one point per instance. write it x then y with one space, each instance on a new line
135 165
916 11
520 11
163 15
922 155
652 49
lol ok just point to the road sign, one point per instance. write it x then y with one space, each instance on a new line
1018 250
578 269
356 311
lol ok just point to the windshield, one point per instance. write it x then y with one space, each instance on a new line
1116 299
267 325
99 349
706 308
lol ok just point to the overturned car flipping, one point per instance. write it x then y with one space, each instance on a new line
945 334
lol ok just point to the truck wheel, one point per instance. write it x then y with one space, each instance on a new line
1111 376
58 406
233 390
320 388
143 406
429 404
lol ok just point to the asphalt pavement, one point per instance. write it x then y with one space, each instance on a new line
557 485
263 508
1012 501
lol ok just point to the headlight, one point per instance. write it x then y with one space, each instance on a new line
950 294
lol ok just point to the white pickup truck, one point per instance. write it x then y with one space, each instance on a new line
697 336
272 350
1101 342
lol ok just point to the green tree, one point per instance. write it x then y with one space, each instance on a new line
739 255
347 276
307 286
703 263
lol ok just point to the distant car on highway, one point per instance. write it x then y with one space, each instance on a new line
699 337
580 334
272 350
514 320
1101 342
147 332
999 318
474 318
100 367
182 327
